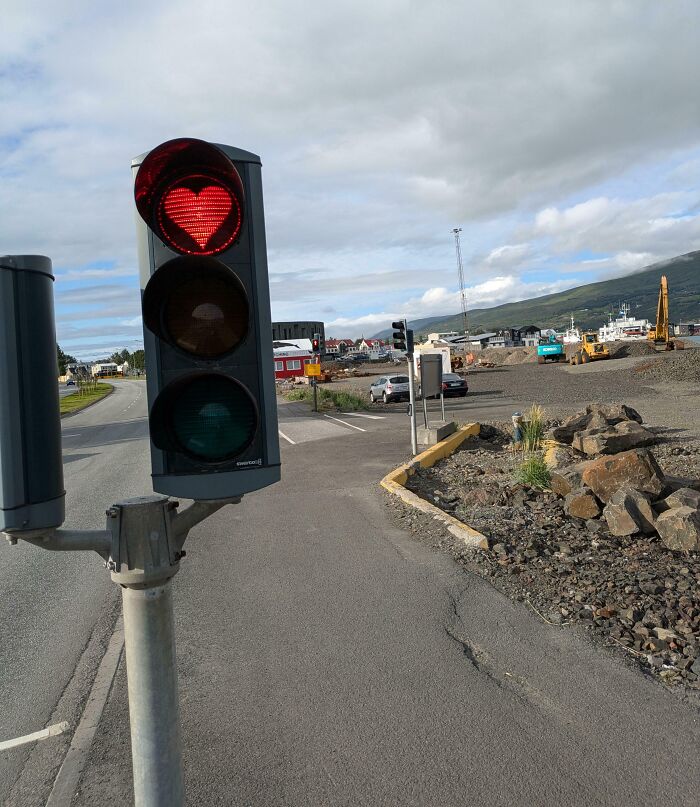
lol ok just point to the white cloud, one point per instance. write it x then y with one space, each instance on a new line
382 125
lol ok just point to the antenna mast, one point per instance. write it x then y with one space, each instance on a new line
462 290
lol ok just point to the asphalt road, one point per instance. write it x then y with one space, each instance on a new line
63 390
328 658
51 602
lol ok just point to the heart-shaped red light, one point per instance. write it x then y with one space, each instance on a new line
199 214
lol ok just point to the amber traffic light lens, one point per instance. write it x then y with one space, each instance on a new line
207 316
197 305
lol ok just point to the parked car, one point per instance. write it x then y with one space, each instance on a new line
359 358
390 388
453 386
70 383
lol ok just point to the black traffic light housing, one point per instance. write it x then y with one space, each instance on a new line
316 344
206 316
402 336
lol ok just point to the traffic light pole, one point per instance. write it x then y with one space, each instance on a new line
412 403
142 548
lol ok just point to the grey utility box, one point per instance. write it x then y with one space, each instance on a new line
31 469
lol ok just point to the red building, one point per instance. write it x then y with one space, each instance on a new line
290 361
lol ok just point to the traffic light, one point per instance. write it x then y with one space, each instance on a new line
31 466
206 317
402 336
316 344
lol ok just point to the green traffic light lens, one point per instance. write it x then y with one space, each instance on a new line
213 418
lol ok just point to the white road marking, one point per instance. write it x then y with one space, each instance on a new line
359 415
288 439
352 426
51 731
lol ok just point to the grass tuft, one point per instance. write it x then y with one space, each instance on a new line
534 472
533 429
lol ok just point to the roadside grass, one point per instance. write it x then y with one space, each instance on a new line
83 397
327 399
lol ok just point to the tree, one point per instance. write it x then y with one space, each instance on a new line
63 359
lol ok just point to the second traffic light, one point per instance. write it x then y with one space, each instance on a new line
316 344
402 336
206 316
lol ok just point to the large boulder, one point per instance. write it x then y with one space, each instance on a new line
636 469
621 436
595 416
614 413
628 512
564 480
674 483
683 497
679 529
581 503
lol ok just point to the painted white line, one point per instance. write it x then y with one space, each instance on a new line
70 772
351 425
51 731
288 439
359 415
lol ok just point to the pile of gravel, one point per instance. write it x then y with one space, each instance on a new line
621 350
632 590
507 355
679 365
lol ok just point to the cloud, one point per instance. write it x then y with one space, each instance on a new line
382 125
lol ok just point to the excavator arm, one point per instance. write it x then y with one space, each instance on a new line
660 333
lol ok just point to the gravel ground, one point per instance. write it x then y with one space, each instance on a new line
632 592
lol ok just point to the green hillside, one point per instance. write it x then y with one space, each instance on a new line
590 304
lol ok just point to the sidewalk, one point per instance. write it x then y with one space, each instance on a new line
327 658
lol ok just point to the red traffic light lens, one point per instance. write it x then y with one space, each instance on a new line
197 305
199 216
191 194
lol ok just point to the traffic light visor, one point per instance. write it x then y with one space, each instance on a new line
191 194
197 305
399 326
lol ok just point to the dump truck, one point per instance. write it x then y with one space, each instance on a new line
589 349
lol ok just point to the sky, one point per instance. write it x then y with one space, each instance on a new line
562 136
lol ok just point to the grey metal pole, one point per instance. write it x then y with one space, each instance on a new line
425 410
313 383
412 400
442 405
154 710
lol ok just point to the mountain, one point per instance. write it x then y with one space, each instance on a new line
589 304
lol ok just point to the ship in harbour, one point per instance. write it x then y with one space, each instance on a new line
623 327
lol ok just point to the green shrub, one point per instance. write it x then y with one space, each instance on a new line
534 472
328 398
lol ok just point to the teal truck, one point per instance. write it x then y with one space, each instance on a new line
550 350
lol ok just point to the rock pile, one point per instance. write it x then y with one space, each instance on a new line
622 481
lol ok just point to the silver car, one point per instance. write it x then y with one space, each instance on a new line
390 388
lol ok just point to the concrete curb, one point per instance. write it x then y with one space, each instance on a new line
395 483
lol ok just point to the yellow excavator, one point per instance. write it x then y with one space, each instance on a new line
660 335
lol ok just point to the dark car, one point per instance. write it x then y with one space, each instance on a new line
359 358
453 386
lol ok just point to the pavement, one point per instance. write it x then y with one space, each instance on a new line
327 657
